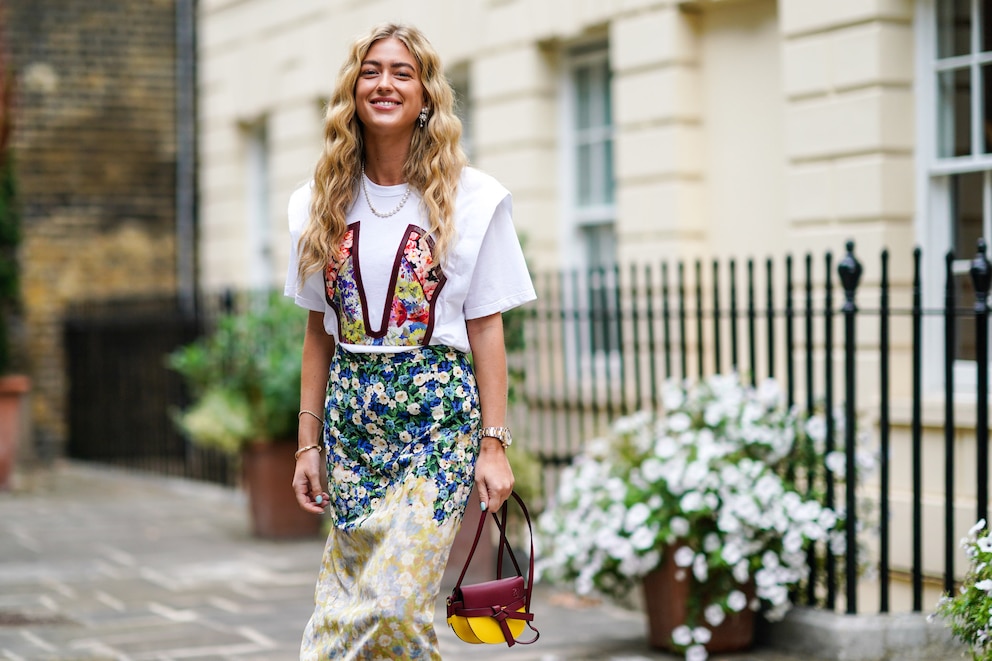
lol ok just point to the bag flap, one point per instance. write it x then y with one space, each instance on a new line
500 592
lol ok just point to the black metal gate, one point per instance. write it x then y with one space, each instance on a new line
121 393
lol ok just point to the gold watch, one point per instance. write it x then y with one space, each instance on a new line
502 434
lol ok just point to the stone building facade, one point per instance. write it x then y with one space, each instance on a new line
95 143
724 126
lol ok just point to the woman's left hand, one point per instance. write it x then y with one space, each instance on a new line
493 475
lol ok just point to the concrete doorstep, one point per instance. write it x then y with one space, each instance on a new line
811 632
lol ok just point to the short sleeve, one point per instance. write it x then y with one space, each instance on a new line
311 294
500 280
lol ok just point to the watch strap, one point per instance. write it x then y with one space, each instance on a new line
499 433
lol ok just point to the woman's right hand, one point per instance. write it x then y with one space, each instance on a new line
318 349
307 485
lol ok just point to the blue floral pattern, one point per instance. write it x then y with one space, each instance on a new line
394 414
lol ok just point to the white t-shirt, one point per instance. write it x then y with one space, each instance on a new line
387 294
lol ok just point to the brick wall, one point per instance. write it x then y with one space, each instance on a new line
96 153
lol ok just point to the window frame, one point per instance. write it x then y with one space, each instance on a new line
259 248
598 338
578 217
934 224
460 80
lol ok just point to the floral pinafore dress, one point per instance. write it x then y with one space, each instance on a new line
401 438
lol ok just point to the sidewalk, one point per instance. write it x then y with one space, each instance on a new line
96 563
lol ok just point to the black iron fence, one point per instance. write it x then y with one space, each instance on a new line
600 344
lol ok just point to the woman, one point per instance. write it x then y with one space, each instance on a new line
406 259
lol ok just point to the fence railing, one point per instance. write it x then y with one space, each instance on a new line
600 343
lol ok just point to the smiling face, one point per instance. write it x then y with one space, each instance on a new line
388 93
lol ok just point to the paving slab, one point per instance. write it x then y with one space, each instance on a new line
101 564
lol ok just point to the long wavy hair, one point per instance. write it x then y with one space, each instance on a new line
433 164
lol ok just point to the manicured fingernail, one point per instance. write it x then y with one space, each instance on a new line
319 499
484 506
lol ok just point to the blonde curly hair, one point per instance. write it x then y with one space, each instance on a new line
433 165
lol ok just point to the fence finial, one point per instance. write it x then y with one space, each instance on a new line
849 270
981 277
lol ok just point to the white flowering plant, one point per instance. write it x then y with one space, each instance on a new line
969 612
719 481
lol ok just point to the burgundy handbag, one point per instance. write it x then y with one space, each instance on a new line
495 612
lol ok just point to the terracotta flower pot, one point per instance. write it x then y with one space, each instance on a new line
268 475
666 600
13 416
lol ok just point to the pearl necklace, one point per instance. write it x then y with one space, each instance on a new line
368 199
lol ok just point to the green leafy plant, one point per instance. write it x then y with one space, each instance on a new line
969 612
244 377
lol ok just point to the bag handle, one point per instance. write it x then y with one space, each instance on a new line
504 542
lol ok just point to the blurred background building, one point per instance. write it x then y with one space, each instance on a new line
627 130
97 146
636 130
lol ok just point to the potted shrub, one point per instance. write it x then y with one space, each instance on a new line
14 388
244 383
700 507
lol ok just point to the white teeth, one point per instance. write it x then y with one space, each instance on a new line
385 103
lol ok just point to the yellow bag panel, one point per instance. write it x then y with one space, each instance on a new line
462 629
485 629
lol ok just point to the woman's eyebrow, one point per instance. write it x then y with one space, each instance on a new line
392 65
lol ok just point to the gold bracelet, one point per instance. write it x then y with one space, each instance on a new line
318 448
300 414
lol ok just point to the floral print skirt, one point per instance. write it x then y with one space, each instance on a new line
400 433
